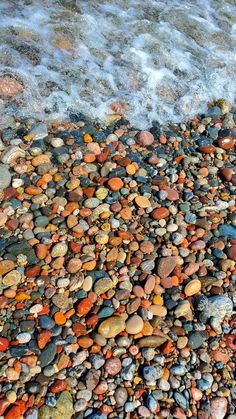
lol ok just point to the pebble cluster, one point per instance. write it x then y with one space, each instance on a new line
118 269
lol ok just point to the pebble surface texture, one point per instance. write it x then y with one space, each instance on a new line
117 269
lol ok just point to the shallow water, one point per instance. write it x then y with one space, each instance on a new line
164 59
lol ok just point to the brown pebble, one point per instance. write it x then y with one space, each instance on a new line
227 173
151 341
165 266
227 143
160 213
231 252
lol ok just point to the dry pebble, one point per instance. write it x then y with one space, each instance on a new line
117 268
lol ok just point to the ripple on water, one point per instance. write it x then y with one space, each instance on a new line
163 58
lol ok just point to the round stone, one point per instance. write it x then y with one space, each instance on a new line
182 342
61 301
142 202
115 184
145 138
195 340
227 173
227 143
193 287
101 193
147 247
59 249
111 327
113 366
134 325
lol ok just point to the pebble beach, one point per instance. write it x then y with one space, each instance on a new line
118 267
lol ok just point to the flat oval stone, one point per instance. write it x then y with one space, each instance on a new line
91 203
218 407
111 327
12 278
47 355
142 202
227 143
160 311
193 287
151 341
115 183
121 396
134 325
160 213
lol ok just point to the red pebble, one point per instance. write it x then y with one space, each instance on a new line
104 154
75 247
32 271
92 321
4 344
43 338
3 405
231 342
59 386
79 329
84 307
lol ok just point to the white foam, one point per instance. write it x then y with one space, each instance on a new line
164 58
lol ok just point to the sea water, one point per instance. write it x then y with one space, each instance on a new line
150 59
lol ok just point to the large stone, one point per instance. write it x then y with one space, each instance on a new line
23 247
165 266
218 408
5 177
64 408
12 154
39 131
11 278
111 327
134 325
103 285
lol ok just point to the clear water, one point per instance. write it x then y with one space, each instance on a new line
163 59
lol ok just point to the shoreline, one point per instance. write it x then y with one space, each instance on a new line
117 263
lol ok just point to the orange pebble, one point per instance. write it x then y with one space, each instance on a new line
168 348
59 318
22 296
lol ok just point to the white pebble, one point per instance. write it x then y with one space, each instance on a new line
16 183
36 309
23 337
